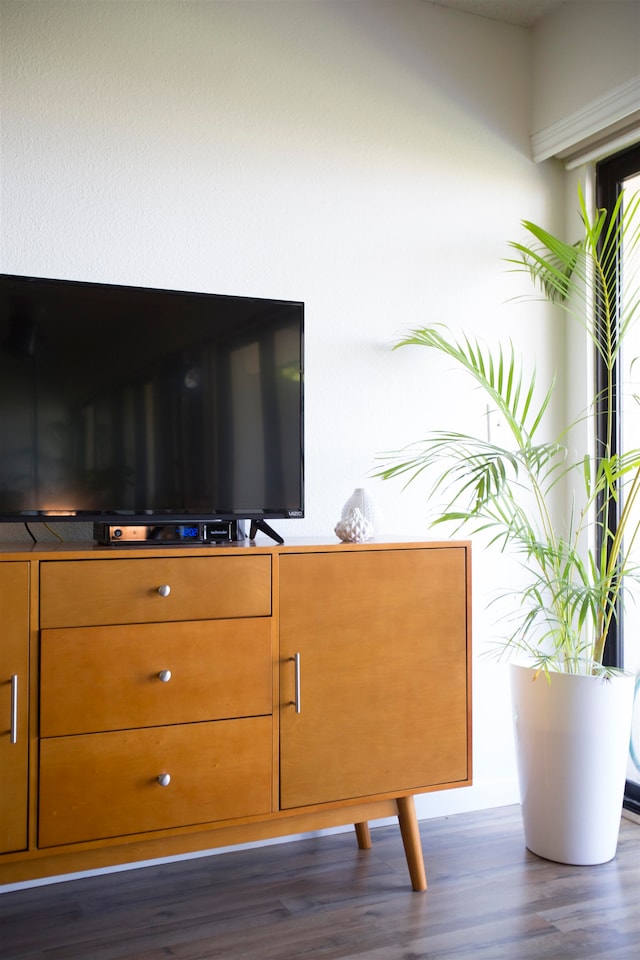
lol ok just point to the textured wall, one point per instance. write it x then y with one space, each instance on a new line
583 52
369 158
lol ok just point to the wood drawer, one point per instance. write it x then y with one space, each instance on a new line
106 784
78 593
109 678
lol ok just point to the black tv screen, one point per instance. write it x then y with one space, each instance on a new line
144 404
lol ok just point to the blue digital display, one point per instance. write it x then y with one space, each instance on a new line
188 533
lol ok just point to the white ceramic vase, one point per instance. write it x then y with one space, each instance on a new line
572 743
362 500
354 528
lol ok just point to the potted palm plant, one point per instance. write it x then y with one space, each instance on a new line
572 713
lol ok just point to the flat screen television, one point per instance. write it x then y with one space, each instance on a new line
139 405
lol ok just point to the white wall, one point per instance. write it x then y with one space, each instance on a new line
586 70
583 51
369 158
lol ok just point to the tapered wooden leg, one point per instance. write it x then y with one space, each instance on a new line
411 840
363 835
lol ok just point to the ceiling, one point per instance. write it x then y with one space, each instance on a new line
522 13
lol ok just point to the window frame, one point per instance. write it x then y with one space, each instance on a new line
610 175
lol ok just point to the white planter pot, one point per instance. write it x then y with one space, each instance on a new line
572 743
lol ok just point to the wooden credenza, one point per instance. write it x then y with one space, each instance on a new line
159 701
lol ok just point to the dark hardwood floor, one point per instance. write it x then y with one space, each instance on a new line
323 899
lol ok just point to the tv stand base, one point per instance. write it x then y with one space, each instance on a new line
264 527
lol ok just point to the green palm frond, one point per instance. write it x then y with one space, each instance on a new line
576 571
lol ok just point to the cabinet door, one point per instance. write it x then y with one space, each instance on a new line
380 638
14 672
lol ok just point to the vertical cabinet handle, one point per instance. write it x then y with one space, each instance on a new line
296 660
14 708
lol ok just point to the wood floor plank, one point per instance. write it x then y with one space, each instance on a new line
322 898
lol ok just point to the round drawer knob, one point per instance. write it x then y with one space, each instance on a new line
164 779
164 676
164 590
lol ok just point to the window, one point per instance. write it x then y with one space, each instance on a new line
613 175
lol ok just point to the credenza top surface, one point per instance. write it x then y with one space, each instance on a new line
86 550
